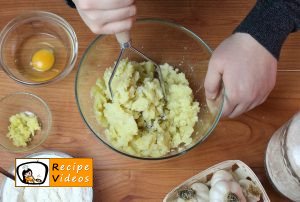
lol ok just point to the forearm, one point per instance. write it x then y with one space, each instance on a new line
271 21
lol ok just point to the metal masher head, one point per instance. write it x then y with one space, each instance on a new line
125 43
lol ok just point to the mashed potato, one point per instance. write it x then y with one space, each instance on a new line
139 121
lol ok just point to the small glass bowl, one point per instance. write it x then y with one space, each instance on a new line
29 103
32 31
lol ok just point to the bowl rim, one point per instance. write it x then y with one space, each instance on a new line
49 122
206 135
60 21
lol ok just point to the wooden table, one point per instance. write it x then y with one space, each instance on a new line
118 178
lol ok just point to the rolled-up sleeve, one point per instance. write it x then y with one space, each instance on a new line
70 3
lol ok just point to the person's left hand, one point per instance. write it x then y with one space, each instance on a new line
107 16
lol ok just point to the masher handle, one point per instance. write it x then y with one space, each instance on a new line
123 37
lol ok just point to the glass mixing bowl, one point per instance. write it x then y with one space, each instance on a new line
30 32
164 42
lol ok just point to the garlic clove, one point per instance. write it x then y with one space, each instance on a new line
202 192
250 190
221 175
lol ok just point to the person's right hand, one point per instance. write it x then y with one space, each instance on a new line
248 72
107 16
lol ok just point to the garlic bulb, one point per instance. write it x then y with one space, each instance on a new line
240 173
221 175
197 193
190 200
187 195
250 190
226 191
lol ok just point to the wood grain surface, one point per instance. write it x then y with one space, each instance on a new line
118 178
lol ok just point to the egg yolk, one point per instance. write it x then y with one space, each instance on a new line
43 60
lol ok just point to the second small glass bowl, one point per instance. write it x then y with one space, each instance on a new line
24 102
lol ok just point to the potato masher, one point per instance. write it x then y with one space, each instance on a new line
125 43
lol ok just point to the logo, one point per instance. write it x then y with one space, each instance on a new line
32 172
54 172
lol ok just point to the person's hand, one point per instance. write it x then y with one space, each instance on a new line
107 16
247 70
